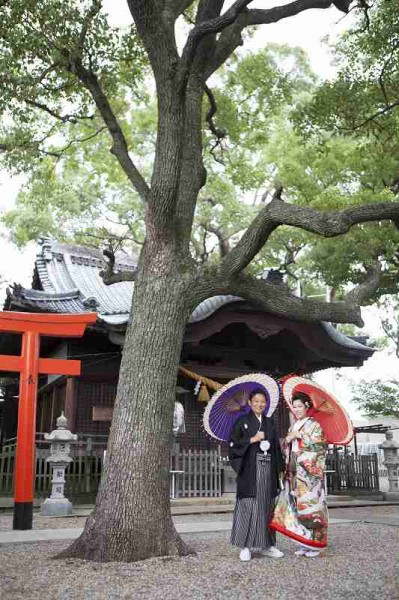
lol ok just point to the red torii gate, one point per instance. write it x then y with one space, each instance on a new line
30 365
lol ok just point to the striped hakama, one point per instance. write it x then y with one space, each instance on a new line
252 515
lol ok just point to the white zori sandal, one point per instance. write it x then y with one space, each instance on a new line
245 554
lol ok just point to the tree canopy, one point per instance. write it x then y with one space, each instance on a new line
377 398
269 121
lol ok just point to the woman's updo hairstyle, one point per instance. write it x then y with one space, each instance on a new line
304 398
257 391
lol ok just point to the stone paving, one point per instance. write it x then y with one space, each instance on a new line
80 514
45 535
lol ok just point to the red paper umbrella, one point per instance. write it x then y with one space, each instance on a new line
326 409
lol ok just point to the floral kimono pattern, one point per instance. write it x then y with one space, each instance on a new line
301 510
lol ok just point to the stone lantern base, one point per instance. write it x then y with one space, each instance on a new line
56 507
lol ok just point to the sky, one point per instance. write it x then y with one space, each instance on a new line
307 30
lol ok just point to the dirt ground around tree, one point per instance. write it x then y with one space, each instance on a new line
360 564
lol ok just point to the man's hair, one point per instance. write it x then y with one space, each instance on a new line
257 391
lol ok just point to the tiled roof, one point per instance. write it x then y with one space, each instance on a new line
211 305
61 268
69 282
64 302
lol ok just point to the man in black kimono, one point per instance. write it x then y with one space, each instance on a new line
255 455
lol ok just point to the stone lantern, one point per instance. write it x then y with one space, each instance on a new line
390 448
57 505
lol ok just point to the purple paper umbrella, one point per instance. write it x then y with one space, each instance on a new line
231 402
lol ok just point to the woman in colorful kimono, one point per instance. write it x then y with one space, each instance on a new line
301 512
255 455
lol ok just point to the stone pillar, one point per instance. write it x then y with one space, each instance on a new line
390 448
57 505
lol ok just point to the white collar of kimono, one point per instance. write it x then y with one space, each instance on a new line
260 421
298 424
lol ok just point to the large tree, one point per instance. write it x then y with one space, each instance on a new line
377 398
62 64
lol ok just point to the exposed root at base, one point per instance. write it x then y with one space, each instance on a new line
88 549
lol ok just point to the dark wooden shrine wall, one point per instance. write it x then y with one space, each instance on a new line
9 411
95 391
281 418
195 436
92 395
49 407
93 402
87 395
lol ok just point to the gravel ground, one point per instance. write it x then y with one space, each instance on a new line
361 564
40 522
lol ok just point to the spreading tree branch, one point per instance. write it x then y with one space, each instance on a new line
224 246
362 292
68 118
365 7
109 276
205 28
375 115
89 17
290 257
218 133
253 239
326 224
174 8
277 299
31 145
81 140
231 36
106 236
35 144
119 148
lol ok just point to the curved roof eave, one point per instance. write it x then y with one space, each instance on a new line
344 340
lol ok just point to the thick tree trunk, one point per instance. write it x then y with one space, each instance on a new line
132 520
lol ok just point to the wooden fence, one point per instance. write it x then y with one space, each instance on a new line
192 473
196 473
7 459
351 473
82 475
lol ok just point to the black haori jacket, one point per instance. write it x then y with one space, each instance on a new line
242 454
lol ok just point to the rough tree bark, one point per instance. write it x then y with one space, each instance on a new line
132 519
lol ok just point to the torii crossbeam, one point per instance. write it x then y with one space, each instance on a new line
30 366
